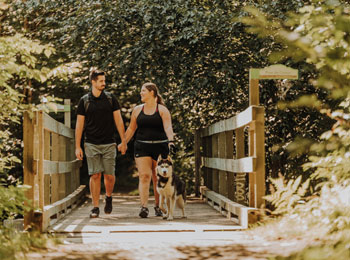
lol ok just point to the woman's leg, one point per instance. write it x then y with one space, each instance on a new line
144 167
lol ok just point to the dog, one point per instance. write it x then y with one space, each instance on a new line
171 189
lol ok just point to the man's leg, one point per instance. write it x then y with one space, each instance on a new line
95 188
109 181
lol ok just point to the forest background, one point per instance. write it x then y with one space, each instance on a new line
199 54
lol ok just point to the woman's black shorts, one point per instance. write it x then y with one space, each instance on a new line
151 150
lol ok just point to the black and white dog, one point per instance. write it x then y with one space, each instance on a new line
170 188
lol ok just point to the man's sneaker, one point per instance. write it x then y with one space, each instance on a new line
143 212
157 211
108 206
95 212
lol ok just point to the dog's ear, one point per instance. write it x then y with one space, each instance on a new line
159 158
169 158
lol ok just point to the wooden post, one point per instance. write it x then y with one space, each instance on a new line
28 169
41 151
67 120
260 155
253 92
197 155
256 131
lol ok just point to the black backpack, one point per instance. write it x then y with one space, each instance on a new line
86 99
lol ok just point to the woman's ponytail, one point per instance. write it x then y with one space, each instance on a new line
160 100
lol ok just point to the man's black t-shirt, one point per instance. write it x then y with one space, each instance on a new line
99 123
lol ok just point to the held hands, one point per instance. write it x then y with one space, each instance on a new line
122 147
79 153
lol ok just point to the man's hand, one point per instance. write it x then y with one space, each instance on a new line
79 153
122 147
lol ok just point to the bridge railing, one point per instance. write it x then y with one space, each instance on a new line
50 168
223 160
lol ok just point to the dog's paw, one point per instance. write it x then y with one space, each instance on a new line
169 218
184 216
165 217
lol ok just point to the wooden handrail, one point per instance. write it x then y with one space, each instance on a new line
50 168
222 162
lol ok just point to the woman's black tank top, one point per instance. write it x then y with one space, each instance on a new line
150 127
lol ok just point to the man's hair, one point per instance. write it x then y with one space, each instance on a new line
95 73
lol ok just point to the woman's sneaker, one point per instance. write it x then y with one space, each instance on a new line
143 212
95 212
157 211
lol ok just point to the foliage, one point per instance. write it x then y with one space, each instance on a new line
21 66
14 244
319 34
197 52
286 196
12 199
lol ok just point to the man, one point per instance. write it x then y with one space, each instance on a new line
98 114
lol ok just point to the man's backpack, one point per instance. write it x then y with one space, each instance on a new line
86 99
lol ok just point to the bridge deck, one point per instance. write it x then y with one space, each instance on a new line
124 218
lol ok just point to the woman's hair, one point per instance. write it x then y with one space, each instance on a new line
152 87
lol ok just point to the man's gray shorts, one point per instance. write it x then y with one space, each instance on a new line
100 158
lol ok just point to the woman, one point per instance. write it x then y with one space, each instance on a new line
154 136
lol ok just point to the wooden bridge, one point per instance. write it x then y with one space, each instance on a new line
229 180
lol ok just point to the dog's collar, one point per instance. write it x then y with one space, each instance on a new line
162 179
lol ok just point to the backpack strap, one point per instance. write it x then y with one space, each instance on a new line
109 97
86 99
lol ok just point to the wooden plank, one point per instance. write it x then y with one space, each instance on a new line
55 187
51 167
246 164
62 186
228 207
276 71
208 170
68 179
47 145
47 189
242 119
240 186
222 154
197 155
71 201
215 172
62 148
57 127
229 155
55 147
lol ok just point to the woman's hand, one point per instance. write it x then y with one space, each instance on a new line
172 148
122 147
